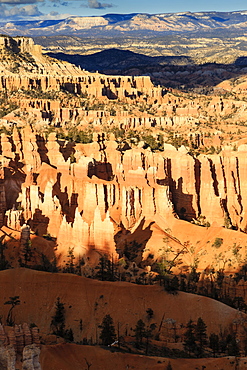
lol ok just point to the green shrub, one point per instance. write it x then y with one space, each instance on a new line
217 243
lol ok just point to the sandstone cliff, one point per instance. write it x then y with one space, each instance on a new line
108 197
102 196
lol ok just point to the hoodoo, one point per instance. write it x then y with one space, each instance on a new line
119 197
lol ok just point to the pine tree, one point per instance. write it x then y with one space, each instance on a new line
189 338
232 347
171 284
70 265
140 331
106 269
214 343
107 334
58 320
148 333
47 265
182 285
201 333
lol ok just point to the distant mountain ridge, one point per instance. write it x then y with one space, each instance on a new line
129 23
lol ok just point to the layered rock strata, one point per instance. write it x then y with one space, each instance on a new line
94 197
86 203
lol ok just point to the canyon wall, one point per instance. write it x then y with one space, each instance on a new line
104 191
97 196
20 44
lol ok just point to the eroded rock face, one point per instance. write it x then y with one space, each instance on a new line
86 203
31 358
7 357
46 74
34 82
92 197
19 336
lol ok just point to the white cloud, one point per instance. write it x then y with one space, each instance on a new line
54 15
59 2
29 11
18 2
11 10
95 4
19 12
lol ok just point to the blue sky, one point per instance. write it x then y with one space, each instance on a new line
55 9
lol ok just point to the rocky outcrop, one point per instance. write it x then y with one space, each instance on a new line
20 340
41 88
104 93
95 197
105 191
20 44
46 74
30 359
19 336
7 358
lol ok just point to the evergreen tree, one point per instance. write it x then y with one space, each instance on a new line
107 334
46 265
140 331
148 333
70 265
220 278
106 269
201 333
192 280
182 285
222 344
173 285
150 313
58 320
232 346
189 338
214 343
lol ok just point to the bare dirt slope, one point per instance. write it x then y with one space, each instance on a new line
90 300
74 357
